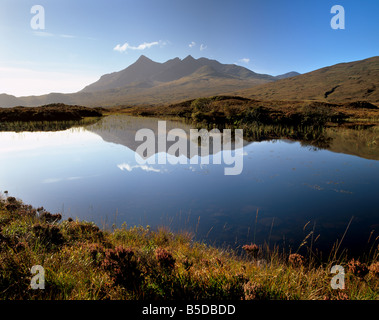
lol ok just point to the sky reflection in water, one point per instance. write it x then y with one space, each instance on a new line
81 173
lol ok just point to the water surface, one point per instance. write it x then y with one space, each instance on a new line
91 173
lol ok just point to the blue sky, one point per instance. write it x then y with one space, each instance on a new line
84 39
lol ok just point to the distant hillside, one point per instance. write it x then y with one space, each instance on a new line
287 75
343 82
7 100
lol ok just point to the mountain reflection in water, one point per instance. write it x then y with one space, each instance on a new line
91 173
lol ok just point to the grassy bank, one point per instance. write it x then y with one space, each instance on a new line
83 262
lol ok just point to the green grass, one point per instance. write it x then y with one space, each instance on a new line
83 262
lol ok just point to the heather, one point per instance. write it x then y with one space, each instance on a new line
82 261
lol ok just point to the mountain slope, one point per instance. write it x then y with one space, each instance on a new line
343 82
204 82
141 70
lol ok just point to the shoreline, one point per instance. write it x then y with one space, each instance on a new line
136 263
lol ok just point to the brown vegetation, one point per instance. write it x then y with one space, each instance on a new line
229 109
51 112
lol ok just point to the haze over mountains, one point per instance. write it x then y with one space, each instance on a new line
149 82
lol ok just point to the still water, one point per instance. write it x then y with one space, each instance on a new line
285 190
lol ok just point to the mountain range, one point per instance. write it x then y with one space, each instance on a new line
150 82
146 82
146 73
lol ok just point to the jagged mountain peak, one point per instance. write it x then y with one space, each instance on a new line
189 58
146 70
143 58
